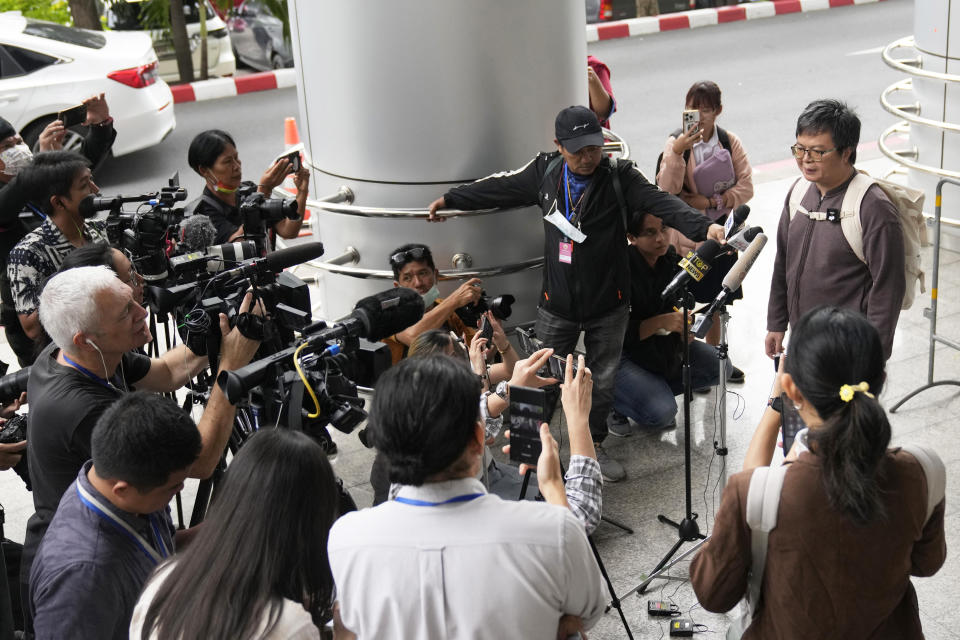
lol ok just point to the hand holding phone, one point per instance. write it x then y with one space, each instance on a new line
527 410
73 116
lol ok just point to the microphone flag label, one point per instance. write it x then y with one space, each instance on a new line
696 266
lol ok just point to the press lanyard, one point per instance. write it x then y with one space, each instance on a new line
88 373
425 503
94 505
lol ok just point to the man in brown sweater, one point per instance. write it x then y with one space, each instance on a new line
815 265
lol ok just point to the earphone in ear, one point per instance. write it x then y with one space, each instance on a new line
91 343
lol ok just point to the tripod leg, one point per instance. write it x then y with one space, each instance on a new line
614 601
668 521
664 561
616 523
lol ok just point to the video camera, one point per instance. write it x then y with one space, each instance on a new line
197 305
145 233
258 212
322 369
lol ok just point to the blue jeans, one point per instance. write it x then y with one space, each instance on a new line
603 340
649 398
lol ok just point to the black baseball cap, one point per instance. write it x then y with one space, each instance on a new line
577 127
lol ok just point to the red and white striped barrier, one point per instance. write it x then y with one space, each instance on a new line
708 17
281 78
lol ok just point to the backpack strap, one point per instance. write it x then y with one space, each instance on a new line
935 472
724 138
797 191
850 213
763 505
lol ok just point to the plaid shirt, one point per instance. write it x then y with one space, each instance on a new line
38 256
583 488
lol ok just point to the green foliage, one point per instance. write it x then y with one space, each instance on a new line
55 11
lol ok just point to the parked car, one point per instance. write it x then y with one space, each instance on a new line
47 67
593 11
126 16
257 37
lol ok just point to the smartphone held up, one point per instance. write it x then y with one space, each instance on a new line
691 120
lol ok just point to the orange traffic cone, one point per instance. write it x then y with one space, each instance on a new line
291 136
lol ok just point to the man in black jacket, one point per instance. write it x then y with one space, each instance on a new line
585 198
14 156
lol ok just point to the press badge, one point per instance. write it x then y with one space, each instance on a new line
560 221
566 252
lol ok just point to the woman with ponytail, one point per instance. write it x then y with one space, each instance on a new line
852 525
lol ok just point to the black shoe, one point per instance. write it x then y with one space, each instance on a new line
736 376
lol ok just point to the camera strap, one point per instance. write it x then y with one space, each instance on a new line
154 555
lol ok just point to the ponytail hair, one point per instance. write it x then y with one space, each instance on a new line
832 347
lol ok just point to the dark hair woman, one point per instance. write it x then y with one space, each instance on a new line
852 525
258 567
213 155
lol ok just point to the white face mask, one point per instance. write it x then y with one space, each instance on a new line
430 296
15 158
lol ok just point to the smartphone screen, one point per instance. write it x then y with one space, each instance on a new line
294 159
528 407
73 116
558 366
691 119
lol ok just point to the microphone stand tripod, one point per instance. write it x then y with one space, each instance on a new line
687 528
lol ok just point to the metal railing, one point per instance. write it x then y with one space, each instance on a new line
931 311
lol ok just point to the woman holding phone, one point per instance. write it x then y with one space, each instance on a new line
213 155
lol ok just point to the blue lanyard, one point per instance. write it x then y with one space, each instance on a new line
566 192
424 503
88 373
125 529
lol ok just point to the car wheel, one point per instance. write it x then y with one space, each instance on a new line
276 62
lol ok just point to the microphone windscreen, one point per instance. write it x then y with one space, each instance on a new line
738 272
87 208
291 256
389 312
197 233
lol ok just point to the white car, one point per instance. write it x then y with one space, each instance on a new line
125 16
47 67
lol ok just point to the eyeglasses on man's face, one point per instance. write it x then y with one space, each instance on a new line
815 154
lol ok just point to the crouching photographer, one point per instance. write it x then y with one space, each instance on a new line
96 325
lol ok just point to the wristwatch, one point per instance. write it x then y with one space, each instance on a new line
502 390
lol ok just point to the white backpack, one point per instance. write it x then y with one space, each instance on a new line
909 205
763 504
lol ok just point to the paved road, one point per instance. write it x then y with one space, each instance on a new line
768 70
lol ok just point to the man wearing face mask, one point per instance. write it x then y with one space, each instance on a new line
413 268
55 183
17 218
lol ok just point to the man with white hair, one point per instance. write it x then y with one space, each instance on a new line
95 325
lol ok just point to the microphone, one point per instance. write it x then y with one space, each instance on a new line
742 239
731 282
693 267
277 261
197 233
388 312
735 220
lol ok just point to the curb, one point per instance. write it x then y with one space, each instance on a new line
693 19
228 87
696 18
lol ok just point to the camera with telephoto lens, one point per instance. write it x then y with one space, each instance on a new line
148 232
258 212
15 430
13 384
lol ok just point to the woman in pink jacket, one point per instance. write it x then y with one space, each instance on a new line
708 168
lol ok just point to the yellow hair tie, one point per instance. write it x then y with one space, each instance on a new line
847 391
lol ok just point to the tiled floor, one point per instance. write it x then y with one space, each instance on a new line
654 463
